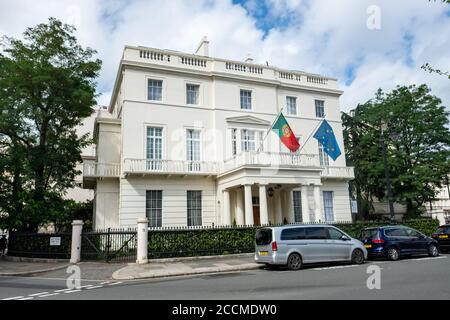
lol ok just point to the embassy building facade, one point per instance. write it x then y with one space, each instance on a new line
186 141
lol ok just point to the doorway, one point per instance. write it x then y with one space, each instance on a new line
256 218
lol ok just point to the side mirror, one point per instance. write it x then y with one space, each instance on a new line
345 238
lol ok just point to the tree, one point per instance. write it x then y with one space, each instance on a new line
47 83
417 138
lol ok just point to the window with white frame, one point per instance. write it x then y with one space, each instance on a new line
328 206
323 157
153 207
154 148
233 141
248 140
154 90
193 149
320 108
192 93
246 99
291 105
297 199
194 208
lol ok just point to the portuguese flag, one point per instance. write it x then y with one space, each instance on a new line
281 127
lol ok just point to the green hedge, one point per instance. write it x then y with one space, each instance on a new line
185 242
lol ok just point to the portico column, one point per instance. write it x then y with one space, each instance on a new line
263 212
248 205
278 213
317 203
226 208
240 207
290 207
305 204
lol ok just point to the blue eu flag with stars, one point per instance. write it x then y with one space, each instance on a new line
326 137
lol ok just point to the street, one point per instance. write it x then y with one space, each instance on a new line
415 278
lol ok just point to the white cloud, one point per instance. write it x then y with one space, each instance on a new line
325 37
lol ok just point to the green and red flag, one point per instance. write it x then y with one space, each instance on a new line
284 131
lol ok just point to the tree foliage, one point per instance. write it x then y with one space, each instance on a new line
47 87
417 141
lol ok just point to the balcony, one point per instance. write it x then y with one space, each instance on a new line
169 167
93 170
346 173
271 159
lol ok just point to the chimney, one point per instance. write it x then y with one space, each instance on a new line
203 47
249 59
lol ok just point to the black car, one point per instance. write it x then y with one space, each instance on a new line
392 242
442 236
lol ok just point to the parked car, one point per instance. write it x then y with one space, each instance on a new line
442 236
392 242
295 245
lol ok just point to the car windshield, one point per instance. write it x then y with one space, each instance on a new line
263 237
369 233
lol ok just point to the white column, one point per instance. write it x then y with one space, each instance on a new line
226 219
240 207
317 204
277 207
142 240
290 206
305 204
248 204
75 254
263 211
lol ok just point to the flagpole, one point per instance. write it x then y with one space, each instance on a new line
268 130
310 135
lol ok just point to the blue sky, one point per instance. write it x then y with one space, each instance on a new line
319 36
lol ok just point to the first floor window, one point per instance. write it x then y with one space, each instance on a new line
193 149
154 148
233 142
154 90
291 105
328 206
153 208
192 93
194 208
246 99
323 157
320 108
248 140
297 198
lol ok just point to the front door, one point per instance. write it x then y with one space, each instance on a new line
256 219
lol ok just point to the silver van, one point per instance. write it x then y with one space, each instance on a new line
294 245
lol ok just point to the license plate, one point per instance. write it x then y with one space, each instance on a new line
263 253
445 236
368 246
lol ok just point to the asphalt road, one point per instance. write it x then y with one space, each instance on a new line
416 278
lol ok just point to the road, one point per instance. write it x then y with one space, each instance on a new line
417 278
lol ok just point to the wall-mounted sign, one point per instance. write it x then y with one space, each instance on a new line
55 241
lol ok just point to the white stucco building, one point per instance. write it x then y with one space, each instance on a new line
181 144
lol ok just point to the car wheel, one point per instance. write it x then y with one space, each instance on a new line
393 254
294 261
357 256
433 251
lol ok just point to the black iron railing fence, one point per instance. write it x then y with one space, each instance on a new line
39 245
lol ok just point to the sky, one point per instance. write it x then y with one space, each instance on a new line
365 44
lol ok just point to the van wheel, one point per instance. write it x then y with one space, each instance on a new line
357 256
294 261
433 251
393 254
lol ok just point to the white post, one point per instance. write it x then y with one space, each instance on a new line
305 204
226 208
240 207
263 212
142 240
75 254
317 203
290 206
248 205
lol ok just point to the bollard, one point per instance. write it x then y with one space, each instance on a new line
77 227
142 240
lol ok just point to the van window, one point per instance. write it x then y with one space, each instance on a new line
316 233
369 234
263 237
443 229
395 232
335 234
293 234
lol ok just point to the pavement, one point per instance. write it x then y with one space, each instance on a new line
13 268
416 278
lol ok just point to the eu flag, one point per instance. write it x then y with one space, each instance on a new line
326 137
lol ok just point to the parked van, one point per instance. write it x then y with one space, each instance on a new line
295 245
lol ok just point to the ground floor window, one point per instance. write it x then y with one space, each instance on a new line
297 198
153 208
328 205
194 208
